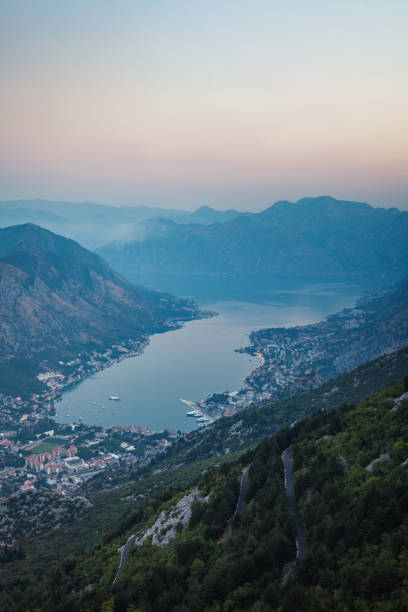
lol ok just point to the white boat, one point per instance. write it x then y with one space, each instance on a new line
114 398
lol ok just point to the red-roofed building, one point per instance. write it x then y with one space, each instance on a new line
26 488
36 462
6 443
110 459
37 466
58 451
53 468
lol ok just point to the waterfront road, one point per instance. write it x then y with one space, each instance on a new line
301 543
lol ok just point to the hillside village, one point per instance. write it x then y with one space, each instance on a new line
297 359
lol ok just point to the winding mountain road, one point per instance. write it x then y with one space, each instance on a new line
301 543
123 556
242 492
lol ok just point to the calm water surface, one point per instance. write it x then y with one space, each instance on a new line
194 361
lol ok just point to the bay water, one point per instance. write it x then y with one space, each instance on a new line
194 361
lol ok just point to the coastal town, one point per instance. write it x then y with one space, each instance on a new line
64 458
36 451
55 376
297 359
58 376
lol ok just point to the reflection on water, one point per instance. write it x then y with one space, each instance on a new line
194 361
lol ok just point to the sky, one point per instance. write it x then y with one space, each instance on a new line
185 103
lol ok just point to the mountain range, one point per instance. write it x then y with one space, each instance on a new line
313 237
94 225
219 252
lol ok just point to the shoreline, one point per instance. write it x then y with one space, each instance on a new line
290 360
130 352
61 377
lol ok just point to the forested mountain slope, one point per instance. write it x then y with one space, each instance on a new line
351 476
57 298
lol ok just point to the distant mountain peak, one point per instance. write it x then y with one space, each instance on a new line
329 200
205 208
321 203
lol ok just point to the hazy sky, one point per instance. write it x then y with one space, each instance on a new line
228 103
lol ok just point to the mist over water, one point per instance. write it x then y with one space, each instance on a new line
196 360
314 292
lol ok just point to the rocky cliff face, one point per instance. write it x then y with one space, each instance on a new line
54 294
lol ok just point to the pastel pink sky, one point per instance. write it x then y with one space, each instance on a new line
176 103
